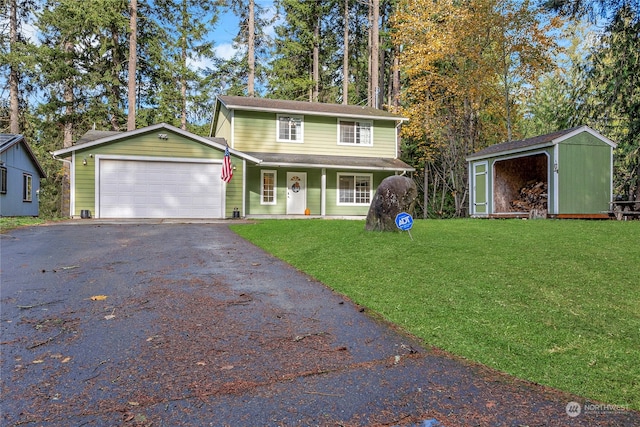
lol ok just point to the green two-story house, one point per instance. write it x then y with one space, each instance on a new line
287 158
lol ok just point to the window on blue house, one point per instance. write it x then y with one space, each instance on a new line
26 187
3 184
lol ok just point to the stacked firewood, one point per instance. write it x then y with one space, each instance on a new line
532 197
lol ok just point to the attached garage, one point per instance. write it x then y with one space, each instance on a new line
158 171
158 188
567 174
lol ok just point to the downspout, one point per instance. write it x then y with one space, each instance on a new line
398 123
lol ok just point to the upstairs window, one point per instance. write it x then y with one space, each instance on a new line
355 132
354 189
289 128
26 188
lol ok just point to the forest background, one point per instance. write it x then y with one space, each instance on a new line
467 74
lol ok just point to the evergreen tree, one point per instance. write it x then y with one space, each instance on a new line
611 97
188 23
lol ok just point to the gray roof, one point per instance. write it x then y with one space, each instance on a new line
333 162
8 140
535 142
95 137
310 108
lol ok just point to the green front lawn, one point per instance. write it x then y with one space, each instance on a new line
554 302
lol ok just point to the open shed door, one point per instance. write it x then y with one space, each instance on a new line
480 189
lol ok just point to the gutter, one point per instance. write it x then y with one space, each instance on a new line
59 159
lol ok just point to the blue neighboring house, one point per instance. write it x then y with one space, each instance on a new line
20 177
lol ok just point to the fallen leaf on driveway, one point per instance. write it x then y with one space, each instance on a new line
109 316
98 298
134 403
200 363
38 361
65 360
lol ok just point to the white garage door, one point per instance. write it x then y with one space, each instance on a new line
159 189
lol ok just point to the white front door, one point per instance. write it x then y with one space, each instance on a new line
296 193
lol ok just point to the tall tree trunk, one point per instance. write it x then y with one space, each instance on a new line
133 57
183 67
14 104
316 60
395 81
375 54
345 56
507 101
115 83
67 137
251 50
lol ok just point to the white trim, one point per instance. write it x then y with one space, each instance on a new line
330 166
299 138
311 112
127 135
244 187
72 184
323 192
555 168
156 159
588 130
553 142
611 178
357 124
473 173
339 203
275 187
232 123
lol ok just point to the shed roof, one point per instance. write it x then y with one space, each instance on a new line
303 107
8 140
536 142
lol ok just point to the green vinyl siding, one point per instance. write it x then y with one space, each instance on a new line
254 207
256 132
223 124
332 208
314 196
147 145
584 173
233 195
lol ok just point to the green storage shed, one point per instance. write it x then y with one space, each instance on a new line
564 174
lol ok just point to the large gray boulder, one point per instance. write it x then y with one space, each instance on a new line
394 195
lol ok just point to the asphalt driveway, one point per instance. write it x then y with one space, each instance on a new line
189 325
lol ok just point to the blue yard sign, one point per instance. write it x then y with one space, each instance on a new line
404 222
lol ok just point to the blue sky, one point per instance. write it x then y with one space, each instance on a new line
227 28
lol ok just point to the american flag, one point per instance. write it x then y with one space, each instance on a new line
227 170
